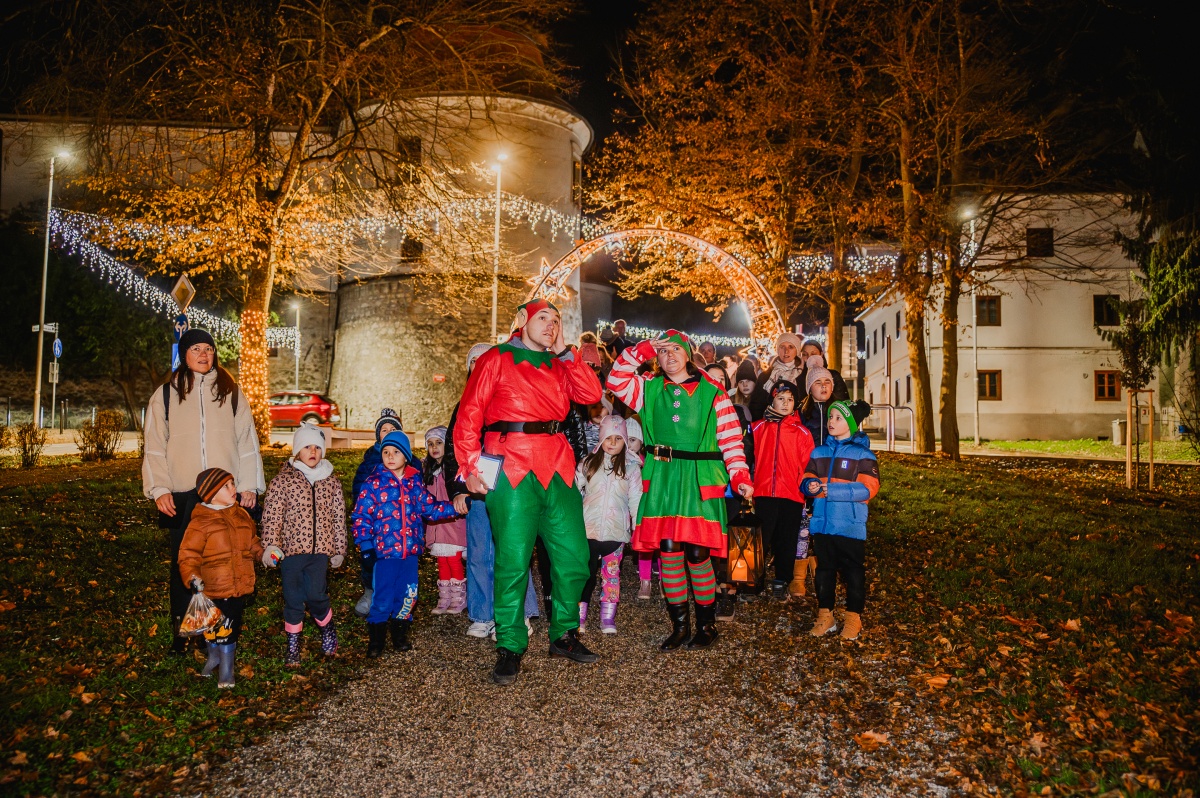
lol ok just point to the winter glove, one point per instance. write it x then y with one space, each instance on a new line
336 560
271 556
198 584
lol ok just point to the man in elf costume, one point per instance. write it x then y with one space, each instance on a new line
516 400
693 451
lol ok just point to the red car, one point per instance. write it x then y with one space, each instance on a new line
290 408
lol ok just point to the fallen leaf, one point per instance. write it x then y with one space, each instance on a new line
246 671
81 756
870 740
88 698
19 758
183 771
5 606
1038 743
937 682
1181 622
1004 650
153 631
94 583
131 675
1072 625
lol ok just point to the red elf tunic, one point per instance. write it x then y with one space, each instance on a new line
513 383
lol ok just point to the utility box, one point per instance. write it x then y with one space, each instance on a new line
1118 432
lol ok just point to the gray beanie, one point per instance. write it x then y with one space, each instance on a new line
475 352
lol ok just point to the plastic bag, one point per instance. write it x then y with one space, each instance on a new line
201 616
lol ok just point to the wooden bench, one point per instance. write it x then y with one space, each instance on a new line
338 438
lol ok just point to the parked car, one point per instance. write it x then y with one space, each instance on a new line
290 408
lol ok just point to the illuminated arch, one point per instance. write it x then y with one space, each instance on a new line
766 323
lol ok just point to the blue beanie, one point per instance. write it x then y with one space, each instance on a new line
400 441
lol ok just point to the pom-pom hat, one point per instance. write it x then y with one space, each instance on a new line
854 413
387 416
612 425
308 435
815 374
210 481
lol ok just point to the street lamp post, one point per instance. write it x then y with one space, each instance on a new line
37 381
296 305
497 168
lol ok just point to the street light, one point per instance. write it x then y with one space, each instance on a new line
497 167
37 380
296 306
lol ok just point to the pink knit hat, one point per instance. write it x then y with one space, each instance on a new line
612 424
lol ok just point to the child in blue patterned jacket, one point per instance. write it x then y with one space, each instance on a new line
389 516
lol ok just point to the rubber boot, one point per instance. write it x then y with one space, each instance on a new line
291 657
681 629
824 623
706 626
376 639
608 617
363 606
225 673
445 596
458 596
400 629
329 641
214 659
583 608
645 589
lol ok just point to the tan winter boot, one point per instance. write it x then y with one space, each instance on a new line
824 624
851 626
796 587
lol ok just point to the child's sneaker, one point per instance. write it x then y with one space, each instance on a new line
364 604
645 589
851 626
481 629
824 624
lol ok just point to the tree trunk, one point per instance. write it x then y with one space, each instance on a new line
253 377
948 395
914 319
837 312
126 384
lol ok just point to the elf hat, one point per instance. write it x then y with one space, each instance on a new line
437 433
680 338
612 425
398 440
210 481
530 309
386 416
308 435
854 413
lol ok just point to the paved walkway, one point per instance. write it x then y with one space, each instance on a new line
768 710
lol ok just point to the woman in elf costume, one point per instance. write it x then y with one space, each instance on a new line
693 451
515 401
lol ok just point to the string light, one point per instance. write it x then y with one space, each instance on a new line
802 267
252 370
650 333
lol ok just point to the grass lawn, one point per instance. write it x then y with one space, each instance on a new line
1090 447
1047 610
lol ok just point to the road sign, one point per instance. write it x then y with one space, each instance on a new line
58 347
54 373
183 293
181 325
51 327
439 377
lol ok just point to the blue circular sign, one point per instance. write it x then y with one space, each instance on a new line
181 325
57 347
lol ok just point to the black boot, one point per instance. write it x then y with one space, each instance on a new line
569 646
726 604
400 634
508 665
376 639
706 626
681 630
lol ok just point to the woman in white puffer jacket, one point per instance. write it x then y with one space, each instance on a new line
610 479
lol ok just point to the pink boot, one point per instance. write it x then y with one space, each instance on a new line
458 596
608 617
583 608
445 597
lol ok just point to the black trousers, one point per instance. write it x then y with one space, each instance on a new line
597 550
176 525
232 609
845 556
780 519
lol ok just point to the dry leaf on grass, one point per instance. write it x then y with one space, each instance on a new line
937 682
1038 743
869 740
246 671
5 606
1072 625
19 758
81 756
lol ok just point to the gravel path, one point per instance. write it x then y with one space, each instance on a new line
768 710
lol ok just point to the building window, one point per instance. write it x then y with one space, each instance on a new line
1039 242
987 311
989 385
908 389
1108 386
1104 310
896 394
897 325
871 398
883 333
875 340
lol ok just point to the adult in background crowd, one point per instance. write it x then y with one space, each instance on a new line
812 349
709 351
198 420
786 367
619 343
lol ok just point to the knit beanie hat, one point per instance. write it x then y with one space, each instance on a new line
633 429
211 480
790 387
437 433
193 337
854 413
814 343
386 416
745 371
815 374
307 435
590 353
612 425
788 338
474 353
398 440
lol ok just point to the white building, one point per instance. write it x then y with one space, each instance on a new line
1048 274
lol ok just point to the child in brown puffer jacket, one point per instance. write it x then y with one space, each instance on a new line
304 531
217 557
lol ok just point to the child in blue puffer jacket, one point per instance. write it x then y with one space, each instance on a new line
389 517
388 421
842 476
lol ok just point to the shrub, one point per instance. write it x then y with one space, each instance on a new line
30 440
98 440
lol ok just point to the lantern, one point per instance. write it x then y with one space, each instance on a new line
747 566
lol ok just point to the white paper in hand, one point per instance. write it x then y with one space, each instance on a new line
489 469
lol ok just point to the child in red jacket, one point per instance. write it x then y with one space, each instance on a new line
782 447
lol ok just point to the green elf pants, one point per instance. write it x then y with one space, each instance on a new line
518 516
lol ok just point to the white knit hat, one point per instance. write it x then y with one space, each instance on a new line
437 433
633 429
790 338
308 435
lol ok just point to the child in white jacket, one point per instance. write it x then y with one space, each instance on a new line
610 479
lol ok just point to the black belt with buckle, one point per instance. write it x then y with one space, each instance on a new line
527 427
666 454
